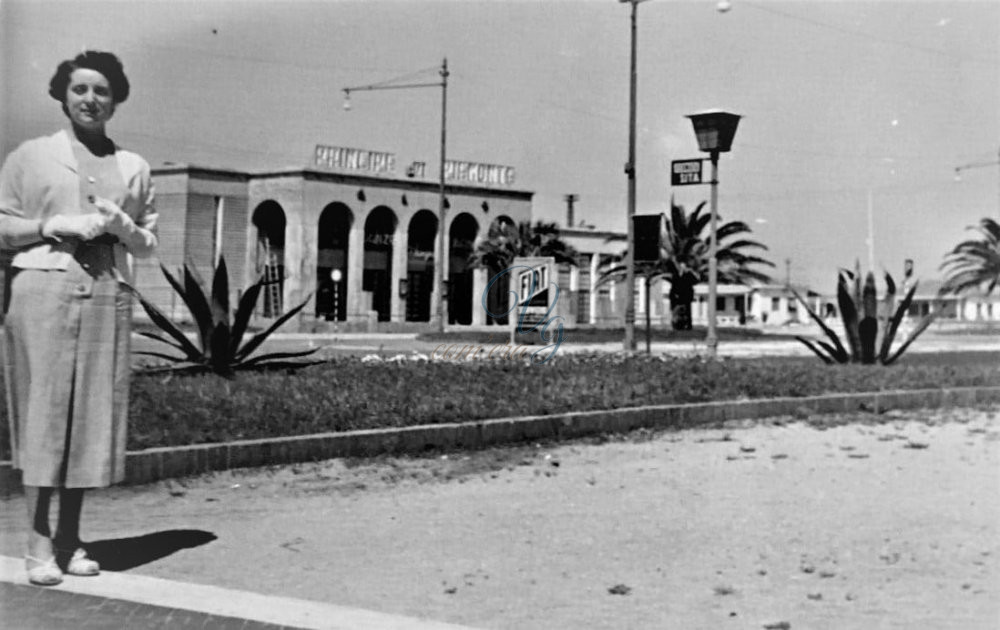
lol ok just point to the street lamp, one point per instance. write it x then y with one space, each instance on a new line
715 131
336 275
629 342
443 84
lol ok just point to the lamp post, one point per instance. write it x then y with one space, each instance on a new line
336 275
715 131
439 280
629 342
964 167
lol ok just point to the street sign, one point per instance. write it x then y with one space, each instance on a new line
685 172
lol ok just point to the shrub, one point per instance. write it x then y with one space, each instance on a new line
859 312
220 333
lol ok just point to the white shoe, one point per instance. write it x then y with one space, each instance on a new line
80 565
44 572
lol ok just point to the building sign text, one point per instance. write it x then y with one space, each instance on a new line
685 172
354 159
475 173
379 162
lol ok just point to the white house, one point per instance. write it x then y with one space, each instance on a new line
767 305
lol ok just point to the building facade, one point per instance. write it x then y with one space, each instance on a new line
594 303
359 248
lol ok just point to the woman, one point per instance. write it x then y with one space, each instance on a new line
75 208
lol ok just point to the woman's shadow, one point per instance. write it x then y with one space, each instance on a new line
122 554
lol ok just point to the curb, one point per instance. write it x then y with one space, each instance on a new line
156 464
159 601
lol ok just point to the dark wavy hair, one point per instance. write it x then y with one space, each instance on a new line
104 62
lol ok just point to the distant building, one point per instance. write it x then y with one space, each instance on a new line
969 306
597 304
766 305
733 305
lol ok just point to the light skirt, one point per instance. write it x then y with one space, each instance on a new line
66 366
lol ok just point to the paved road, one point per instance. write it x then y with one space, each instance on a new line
852 522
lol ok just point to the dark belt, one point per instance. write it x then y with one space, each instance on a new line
96 256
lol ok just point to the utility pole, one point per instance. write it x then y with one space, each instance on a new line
629 341
441 257
440 279
871 234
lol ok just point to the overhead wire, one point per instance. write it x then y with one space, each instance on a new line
409 77
759 6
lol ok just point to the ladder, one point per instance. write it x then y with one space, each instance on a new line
272 287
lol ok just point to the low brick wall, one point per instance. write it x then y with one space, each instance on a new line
179 461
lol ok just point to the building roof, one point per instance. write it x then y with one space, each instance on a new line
724 289
593 241
781 290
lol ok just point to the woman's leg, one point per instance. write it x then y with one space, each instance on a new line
39 532
67 539
40 560
68 526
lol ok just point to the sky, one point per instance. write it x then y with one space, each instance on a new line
849 108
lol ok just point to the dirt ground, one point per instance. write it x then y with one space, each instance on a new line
837 522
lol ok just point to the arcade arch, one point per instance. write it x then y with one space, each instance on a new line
461 244
332 253
380 230
420 262
498 296
269 257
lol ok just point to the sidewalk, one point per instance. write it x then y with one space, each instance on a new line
122 600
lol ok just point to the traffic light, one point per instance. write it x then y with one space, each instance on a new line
646 229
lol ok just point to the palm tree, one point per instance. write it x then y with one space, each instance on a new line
684 260
975 263
506 241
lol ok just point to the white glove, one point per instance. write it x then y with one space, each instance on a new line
115 220
81 226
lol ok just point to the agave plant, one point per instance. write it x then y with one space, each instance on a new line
863 323
220 333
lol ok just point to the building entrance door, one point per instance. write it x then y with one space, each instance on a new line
420 266
461 245
377 278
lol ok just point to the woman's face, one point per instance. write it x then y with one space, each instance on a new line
89 101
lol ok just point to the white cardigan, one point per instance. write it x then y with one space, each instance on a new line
39 179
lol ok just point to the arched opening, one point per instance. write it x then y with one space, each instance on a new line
497 299
269 219
420 266
380 228
331 261
460 246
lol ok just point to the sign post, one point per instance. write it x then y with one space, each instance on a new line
686 172
536 295
539 299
